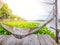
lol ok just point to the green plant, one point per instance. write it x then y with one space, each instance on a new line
45 30
18 24
3 31
21 24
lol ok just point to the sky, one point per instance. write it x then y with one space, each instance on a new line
30 9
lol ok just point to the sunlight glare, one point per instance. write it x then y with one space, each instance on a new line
27 9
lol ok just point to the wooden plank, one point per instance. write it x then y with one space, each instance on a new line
53 41
41 40
3 38
13 41
47 40
29 40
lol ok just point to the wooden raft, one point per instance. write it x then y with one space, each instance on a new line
29 40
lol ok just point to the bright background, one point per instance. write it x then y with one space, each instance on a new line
30 9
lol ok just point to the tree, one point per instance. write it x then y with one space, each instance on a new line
5 11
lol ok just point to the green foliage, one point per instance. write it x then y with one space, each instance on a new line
44 30
3 31
5 11
21 24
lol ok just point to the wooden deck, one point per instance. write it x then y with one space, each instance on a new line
29 40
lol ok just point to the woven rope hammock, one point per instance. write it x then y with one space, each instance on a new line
34 30
31 32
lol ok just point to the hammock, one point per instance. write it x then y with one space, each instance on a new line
22 36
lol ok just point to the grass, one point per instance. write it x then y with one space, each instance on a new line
19 24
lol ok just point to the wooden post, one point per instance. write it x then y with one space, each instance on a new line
1 3
56 17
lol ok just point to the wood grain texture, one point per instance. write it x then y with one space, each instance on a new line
41 40
29 40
